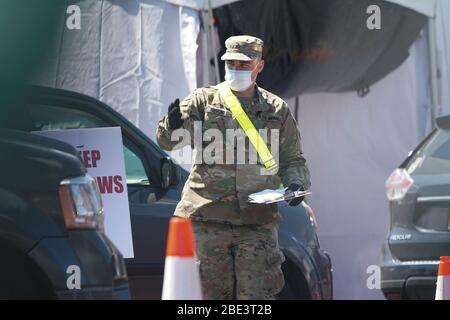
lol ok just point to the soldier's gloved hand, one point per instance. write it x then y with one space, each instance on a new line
174 115
296 201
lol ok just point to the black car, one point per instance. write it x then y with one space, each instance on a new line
419 233
51 241
155 184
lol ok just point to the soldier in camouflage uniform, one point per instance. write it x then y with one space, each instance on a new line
237 243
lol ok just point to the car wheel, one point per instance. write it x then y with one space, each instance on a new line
295 287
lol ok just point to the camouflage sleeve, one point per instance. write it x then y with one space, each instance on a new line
191 110
293 168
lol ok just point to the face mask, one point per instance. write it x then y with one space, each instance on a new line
238 80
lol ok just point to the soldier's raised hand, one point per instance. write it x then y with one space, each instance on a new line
174 115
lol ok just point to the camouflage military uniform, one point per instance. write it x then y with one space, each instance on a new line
226 226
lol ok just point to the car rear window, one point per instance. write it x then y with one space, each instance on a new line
433 157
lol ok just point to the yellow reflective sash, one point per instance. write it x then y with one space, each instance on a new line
246 124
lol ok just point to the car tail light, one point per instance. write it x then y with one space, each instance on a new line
393 295
398 184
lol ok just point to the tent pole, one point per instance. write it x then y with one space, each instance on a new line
446 38
433 68
206 80
297 100
212 38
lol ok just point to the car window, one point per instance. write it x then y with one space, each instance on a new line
47 118
434 156
57 118
134 167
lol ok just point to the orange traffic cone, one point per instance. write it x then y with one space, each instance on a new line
181 273
443 281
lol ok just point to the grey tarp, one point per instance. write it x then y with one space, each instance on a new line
322 45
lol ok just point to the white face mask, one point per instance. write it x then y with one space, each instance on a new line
238 80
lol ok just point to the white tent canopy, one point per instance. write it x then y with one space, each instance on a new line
425 7
201 4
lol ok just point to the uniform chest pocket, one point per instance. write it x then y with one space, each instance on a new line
218 118
273 127
273 122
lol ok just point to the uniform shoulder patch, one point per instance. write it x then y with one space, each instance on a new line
272 99
207 94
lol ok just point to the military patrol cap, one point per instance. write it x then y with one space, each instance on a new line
245 48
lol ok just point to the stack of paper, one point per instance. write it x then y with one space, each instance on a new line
271 195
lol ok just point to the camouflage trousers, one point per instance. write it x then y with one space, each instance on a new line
238 262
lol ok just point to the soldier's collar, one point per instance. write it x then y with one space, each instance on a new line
259 101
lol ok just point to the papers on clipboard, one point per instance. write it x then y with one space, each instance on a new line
270 195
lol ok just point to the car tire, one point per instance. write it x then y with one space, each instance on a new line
295 287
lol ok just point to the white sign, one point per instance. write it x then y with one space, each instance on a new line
102 152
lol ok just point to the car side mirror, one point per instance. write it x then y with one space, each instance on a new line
170 173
